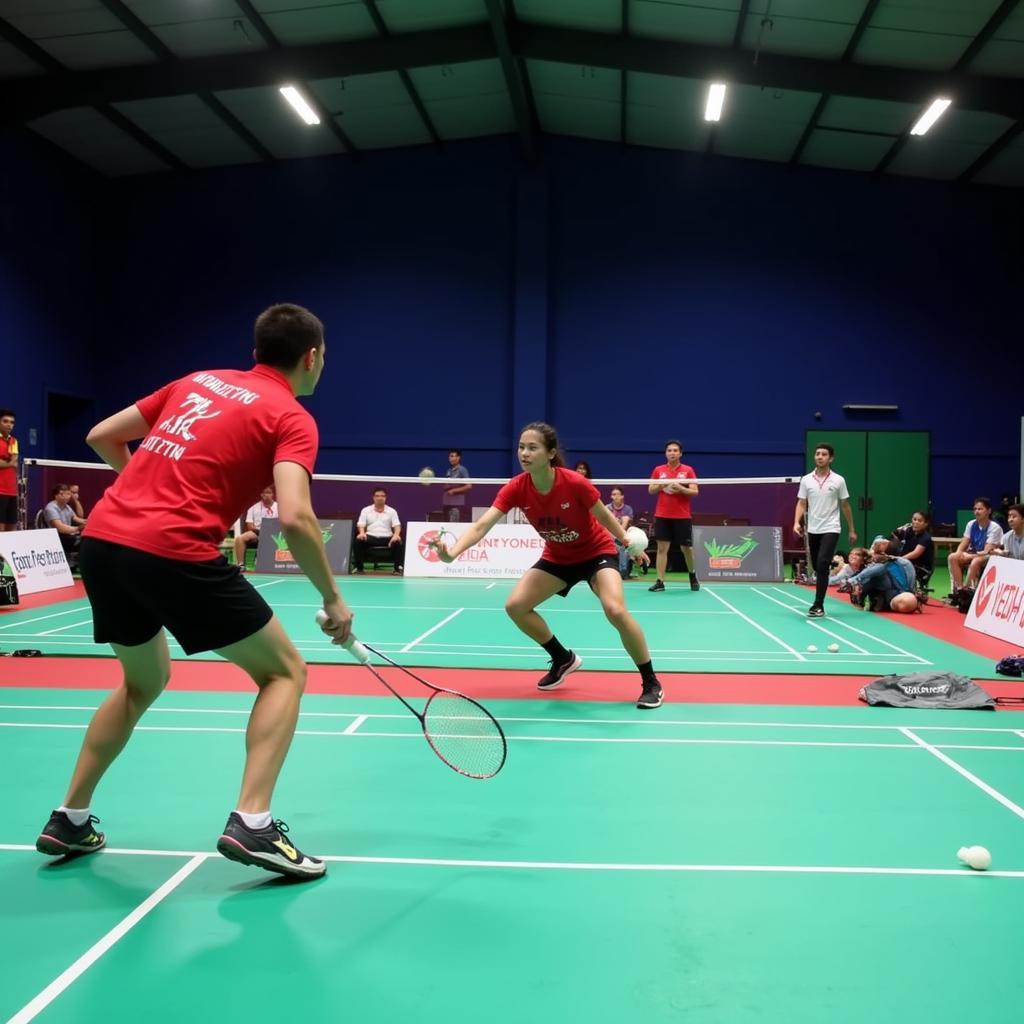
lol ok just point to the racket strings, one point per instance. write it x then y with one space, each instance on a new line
464 735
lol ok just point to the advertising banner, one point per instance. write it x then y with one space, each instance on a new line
998 605
36 559
272 554
743 554
505 553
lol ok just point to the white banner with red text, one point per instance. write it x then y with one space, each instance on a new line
998 605
37 560
505 553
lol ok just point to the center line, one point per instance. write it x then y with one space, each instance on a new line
433 629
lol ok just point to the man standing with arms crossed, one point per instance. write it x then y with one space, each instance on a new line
211 440
820 496
672 522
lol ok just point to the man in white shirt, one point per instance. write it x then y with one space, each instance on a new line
982 536
378 526
265 508
821 495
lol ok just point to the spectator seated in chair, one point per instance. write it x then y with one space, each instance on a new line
378 529
1012 544
265 508
916 546
59 514
981 537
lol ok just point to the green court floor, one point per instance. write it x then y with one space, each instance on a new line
716 864
723 628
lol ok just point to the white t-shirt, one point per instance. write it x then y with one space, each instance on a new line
993 533
823 495
378 524
259 512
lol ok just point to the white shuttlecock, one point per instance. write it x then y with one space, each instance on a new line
976 857
834 648
636 541
813 648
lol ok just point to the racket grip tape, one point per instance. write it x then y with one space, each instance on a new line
352 645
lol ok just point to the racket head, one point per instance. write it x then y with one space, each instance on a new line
464 734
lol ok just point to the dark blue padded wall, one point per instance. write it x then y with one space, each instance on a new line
49 287
626 295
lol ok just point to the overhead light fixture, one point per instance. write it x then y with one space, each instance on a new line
716 97
930 116
298 101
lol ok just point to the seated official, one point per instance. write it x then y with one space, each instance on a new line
378 527
59 514
75 501
265 508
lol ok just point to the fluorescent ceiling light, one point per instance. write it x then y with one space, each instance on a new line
930 116
298 101
716 97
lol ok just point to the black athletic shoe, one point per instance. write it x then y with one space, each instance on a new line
267 848
59 837
814 612
651 696
557 673
657 586
694 583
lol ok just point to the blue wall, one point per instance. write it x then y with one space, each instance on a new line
49 287
627 296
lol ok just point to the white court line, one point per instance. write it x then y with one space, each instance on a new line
60 629
969 776
757 626
491 586
43 618
554 865
871 636
433 629
797 611
91 955
545 720
348 730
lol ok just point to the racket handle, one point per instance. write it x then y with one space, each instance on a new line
352 645
357 650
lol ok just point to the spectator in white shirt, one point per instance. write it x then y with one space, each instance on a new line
265 508
378 526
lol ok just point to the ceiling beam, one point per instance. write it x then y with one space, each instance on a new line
1001 13
26 98
741 24
513 79
160 49
847 57
992 152
624 81
275 45
414 96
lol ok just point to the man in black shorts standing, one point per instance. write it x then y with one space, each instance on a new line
672 522
210 440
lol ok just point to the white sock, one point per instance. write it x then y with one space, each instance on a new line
75 815
255 821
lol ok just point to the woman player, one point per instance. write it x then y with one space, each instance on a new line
566 510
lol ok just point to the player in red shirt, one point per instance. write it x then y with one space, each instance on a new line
672 522
566 510
8 472
211 440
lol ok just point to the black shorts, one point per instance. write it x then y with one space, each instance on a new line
204 605
675 531
8 509
577 572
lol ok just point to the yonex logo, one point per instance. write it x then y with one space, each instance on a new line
287 849
986 588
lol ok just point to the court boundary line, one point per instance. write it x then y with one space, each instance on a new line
641 722
433 629
71 974
554 865
961 770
